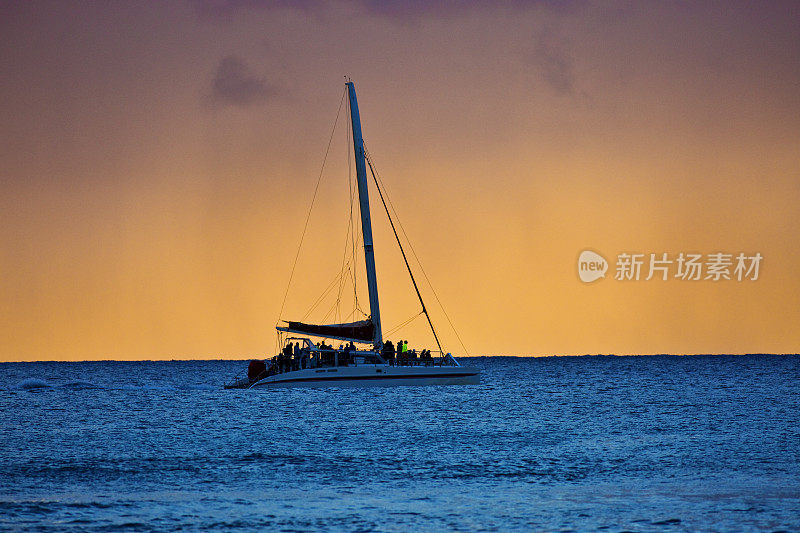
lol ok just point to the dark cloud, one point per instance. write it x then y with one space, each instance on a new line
227 8
402 10
414 9
235 84
554 65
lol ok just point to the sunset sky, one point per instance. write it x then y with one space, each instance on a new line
157 162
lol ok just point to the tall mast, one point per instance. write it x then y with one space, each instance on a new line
366 223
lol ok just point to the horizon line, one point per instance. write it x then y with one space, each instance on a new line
459 356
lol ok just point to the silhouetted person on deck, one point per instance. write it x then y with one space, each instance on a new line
388 352
344 359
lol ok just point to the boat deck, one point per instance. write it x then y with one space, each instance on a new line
359 368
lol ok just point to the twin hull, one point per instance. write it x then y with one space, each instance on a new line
372 376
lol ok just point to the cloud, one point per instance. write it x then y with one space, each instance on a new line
554 65
400 10
227 8
415 9
235 84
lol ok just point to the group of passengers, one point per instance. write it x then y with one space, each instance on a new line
329 355
293 357
402 355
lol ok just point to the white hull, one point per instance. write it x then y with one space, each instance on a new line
373 376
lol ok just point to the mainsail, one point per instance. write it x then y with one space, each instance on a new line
361 331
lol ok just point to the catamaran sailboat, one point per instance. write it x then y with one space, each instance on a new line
304 362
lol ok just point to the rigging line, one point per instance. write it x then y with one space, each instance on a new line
396 236
350 215
345 263
357 307
338 315
352 190
322 296
425 274
331 310
353 313
351 277
402 325
310 208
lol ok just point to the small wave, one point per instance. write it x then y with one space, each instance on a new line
131 526
147 387
667 522
33 383
200 386
192 387
80 385
89 505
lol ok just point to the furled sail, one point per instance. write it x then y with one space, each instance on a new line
363 330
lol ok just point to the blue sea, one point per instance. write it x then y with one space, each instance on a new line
655 443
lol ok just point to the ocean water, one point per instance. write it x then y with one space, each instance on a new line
662 443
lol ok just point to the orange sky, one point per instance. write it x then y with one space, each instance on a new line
157 163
